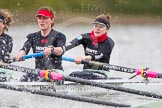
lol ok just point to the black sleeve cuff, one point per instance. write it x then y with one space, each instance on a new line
93 57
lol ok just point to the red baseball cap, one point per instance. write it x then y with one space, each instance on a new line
45 13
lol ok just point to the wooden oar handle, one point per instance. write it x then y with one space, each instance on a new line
96 63
92 63
109 66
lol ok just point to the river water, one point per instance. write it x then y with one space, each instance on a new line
136 46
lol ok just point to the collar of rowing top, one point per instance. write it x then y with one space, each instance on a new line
97 39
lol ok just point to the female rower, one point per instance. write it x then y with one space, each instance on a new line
5 40
46 40
97 47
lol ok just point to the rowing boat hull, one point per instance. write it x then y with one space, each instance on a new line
152 104
69 88
17 99
26 100
72 88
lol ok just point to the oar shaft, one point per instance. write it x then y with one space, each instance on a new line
41 54
19 68
148 73
122 89
41 73
63 96
68 59
112 67
103 65
78 80
159 75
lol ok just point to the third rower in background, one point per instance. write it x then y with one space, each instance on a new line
6 41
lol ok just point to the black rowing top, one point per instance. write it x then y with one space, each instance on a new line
38 43
100 52
5 47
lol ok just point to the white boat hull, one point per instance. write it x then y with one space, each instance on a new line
69 88
26 100
152 104
16 98
79 89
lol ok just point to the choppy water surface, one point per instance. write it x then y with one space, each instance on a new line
136 46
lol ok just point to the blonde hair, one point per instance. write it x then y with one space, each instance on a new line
8 17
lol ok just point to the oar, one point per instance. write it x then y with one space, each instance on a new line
41 73
142 72
57 76
63 96
117 88
40 54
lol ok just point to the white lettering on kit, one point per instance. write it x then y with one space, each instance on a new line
88 50
39 49
99 56
95 52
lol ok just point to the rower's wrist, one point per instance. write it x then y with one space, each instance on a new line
52 48
21 53
88 57
92 57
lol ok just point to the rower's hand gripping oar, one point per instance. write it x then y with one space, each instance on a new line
42 73
143 72
57 76
41 54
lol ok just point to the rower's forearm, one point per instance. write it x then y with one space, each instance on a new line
58 51
88 58
22 52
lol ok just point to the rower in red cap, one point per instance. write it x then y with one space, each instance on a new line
46 40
